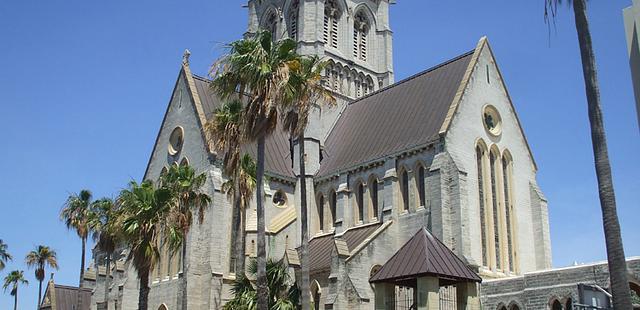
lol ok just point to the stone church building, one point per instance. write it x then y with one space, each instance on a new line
443 149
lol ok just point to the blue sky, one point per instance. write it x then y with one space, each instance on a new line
84 85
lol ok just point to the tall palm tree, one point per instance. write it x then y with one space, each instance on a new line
13 280
4 254
186 188
105 227
613 238
240 188
75 215
39 258
144 210
283 292
308 91
225 133
262 67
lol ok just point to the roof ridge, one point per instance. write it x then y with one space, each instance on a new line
415 76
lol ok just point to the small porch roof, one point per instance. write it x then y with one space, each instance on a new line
425 255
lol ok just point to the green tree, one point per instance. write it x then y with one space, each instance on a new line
262 67
4 254
13 280
308 92
76 214
106 233
39 258
185 187
613 238
283 292
144 211
226 138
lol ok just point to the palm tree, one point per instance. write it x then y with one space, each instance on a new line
262 67
41 257
75 215
105 227
13 280
186 188
144 210
283 292
4 255
613 238
308 91
240 189
225 133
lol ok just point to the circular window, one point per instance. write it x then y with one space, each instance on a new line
492 120
176 140
279 199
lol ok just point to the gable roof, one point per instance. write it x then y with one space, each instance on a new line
425 255
63 297
277 151
404 115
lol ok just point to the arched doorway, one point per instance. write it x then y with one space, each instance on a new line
316 294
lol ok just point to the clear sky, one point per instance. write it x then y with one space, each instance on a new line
84 85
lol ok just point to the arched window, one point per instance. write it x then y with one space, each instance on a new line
316 292
320 208
332 206
493 161
507 173
373 192
163 307
293 19
331 20
568 304
184 162
270 23
361 27
422 190
404 187
360 203
481 200
556 305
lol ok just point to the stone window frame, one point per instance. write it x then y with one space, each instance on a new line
359 202
175 147
331 24
293 19
404 187
270 21
373 207
511 215
361 30
320 209
421 194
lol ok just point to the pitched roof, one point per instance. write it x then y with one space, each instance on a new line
277 151
406 114
425 255
66 298
320 248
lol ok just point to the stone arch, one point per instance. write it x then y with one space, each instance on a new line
374 192
320 203
316 294
514 305
270 20
184 161
292 9
554 303
404 185
163 307
501 306
360 201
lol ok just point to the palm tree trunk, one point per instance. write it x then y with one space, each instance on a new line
143 293
304 259
183 283
106 282
39 294
262 289
15 300
613 238
84 247
240 238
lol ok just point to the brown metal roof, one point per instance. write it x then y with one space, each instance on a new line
320 248
425 255
404 115
277 151
66 298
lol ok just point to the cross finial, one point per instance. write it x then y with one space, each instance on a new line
185 56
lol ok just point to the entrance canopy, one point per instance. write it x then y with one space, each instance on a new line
425 256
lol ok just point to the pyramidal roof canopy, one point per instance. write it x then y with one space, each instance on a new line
425 255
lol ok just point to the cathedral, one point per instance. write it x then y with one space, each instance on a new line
442 150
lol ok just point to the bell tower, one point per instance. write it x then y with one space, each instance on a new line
353 35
